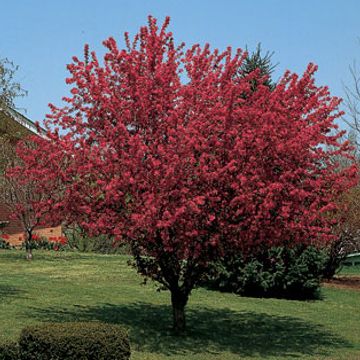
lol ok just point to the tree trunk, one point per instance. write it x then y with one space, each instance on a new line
28 247
29 254
337 254
178 301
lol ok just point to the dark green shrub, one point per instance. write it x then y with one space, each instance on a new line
4 244
292 273
45 244
9 351
74 341
104 244
3 237
42 244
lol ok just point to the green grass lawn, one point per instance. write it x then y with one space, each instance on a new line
76 286
350 270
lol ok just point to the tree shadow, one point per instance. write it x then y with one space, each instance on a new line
48 256
209 330
9 292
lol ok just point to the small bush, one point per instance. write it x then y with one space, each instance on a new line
74 341
9 351
4 244
292 273
104 244
44 244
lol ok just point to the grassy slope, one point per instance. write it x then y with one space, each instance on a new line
350 270
70 286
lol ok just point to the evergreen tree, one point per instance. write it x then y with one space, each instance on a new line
258 60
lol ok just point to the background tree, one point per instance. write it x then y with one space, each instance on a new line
183 166
352 106
23 199
348 240
15 194
10 89
257 61
352 103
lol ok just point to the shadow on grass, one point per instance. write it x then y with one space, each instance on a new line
9 292
209 330
43 255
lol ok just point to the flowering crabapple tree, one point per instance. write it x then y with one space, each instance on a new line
21 196
174 152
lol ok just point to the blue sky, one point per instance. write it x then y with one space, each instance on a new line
41 36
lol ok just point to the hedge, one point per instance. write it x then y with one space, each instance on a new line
9 351
69 341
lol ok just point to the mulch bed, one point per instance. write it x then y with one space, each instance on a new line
344 282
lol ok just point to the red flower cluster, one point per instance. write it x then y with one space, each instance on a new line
62 240
36 237
4 236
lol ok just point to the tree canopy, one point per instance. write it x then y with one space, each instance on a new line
175 152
